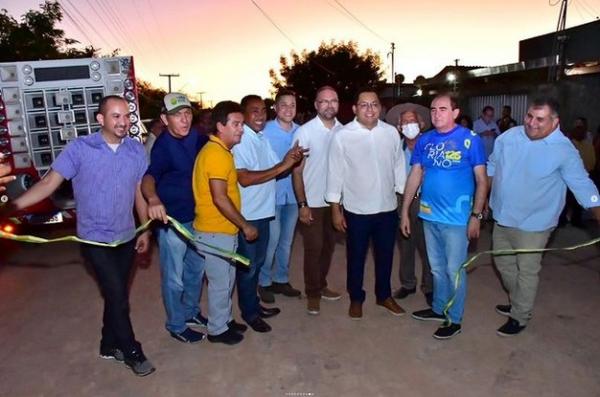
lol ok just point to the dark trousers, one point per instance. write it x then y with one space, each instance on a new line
409 246
361 230
112 267
247 277
319 244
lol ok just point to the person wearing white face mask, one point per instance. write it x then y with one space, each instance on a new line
410 124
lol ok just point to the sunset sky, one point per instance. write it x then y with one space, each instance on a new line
226 48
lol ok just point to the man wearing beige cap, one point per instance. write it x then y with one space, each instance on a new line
167 186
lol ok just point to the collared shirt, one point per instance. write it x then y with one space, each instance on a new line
448 160
214 161
254 153
281 141
530 178
488 141
365 168
314 136
104 185
171 166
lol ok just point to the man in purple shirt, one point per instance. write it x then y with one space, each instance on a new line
106 169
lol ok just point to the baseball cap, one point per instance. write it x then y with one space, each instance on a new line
174 102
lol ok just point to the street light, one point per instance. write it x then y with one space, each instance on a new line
451 78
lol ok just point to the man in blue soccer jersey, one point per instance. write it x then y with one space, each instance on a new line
448 163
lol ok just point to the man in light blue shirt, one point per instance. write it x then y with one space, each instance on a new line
530 169
274 275
257 166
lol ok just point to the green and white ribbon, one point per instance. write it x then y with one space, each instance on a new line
457 278
175 224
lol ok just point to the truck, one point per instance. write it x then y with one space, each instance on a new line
44 105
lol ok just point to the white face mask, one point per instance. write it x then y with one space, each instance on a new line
410 130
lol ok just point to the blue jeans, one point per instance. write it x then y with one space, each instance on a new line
381 228
247 277
281 236
220 274
181 271
447 251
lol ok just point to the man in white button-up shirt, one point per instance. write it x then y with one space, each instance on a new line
314 213
366 168
257 167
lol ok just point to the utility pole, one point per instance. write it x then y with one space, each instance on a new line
169 76
456 62
392 54
201 103
558 49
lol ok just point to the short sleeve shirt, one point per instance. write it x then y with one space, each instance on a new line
448 185
214 161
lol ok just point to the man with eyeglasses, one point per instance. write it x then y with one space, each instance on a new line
314 213
366 168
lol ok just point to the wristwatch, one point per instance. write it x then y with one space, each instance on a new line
302 204
477 215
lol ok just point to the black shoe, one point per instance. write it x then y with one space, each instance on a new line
138 363
510 328
188 336
229 337
266 294
285 289
428 315
259 325
503 310
111 353
197 321
429 298
447 331
404 292
266 312
237 327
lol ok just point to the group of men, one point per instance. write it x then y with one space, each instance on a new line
244 187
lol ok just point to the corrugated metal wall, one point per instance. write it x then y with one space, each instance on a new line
518 103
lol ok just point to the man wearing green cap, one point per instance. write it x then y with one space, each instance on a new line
167 186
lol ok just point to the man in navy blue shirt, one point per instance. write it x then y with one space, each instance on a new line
167 186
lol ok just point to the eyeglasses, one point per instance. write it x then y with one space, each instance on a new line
328 102
366 105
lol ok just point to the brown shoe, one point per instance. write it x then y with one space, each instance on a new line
355 311
313 305
392 307
330 295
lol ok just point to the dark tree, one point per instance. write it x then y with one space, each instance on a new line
36 36
337 64
150 99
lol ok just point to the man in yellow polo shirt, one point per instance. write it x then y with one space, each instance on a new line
218 218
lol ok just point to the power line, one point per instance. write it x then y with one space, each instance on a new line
120 32
87 22
125 31
158 25
141 18
76 24
577 8
103 21
359 21
588 8
274 24
287 37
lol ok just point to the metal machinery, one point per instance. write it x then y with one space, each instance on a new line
46 104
